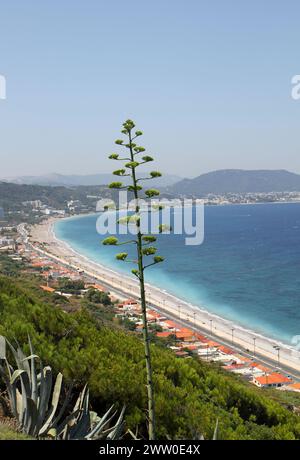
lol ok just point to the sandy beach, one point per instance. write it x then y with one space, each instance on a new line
197 316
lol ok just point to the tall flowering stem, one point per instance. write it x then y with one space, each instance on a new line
133 158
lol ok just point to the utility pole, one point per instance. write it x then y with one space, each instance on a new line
232 331
276 347
254 340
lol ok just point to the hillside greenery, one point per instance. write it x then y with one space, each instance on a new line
191 394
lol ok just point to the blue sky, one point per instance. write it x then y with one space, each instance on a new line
209 83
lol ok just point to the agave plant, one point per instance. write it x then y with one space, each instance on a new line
35 403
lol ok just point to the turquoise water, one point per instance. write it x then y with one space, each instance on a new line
247 269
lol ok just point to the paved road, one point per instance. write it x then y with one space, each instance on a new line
244 352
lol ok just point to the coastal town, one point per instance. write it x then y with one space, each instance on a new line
43 203
181 335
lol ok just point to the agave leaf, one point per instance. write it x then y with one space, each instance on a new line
101 424
11 388
117 429
32 358
18 404
80 399
215 436
64 406
17 373
68 422
31 417
14 352
23 361
28 358
83 421
54 404
25 392
45 393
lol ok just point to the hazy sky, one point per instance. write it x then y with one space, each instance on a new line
208 81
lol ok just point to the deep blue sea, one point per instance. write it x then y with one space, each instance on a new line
247 269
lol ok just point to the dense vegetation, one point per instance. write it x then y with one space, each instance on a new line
190 394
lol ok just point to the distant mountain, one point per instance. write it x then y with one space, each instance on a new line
86 180
237 181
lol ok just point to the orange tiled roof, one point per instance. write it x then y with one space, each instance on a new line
170 323
47 288
295 386
274 378
184 335
153 313
211 343
225 350
164 334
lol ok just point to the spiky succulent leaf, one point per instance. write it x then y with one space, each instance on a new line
54 404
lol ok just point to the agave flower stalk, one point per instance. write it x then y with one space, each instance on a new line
131 161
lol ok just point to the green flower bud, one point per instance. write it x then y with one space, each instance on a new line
119 172
149 239
146 159
151 192
132 164
121 256
110 241
115 185
149 251
164 228
155 174
113 156
131 188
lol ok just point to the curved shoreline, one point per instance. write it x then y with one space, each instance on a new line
183 310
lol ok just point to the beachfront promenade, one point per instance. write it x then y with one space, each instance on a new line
233 335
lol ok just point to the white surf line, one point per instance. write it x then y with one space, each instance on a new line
208 321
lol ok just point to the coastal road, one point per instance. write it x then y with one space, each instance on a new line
123 290
258 358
